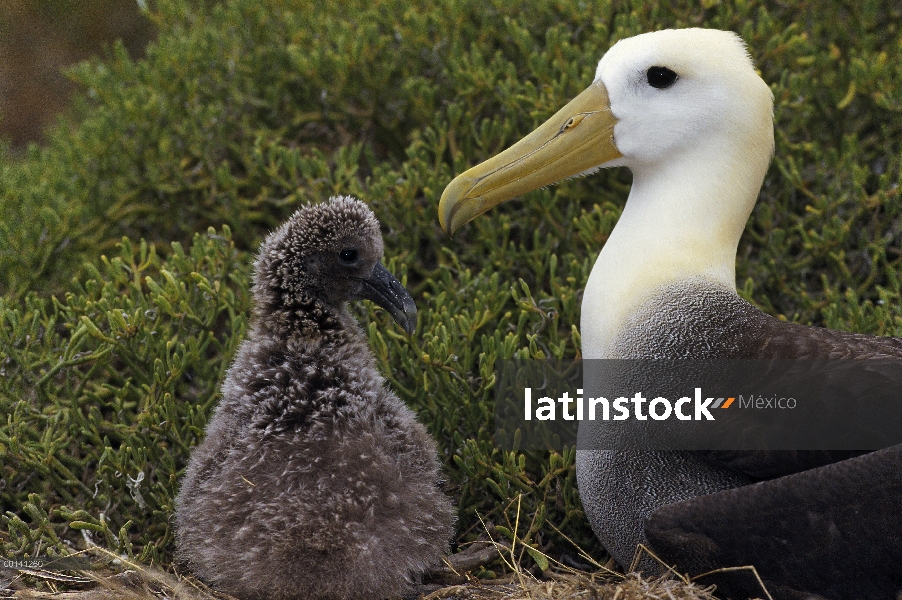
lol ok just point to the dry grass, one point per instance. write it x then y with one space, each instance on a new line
591 586
113 577
151 583
118 578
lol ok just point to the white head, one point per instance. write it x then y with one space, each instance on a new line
679 91
678 107
686 112
694 123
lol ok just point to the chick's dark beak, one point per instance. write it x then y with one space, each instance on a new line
386 291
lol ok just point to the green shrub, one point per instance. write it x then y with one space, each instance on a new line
112 349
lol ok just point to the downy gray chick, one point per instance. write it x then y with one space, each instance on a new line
314 480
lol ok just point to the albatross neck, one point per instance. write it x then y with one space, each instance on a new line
682 220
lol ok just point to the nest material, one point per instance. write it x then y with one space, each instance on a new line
143 582
150 583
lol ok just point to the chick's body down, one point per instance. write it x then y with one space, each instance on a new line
314 480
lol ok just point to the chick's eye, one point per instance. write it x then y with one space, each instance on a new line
348 255
660 77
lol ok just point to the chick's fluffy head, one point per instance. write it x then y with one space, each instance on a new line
322 252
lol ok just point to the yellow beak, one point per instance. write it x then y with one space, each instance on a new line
577 138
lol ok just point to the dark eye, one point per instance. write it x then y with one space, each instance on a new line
660 77
348 255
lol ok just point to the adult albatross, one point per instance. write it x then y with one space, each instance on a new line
686 112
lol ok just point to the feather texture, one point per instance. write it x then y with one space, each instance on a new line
314 480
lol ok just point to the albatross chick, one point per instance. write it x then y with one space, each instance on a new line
314 481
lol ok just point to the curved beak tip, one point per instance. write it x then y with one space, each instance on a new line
409 323
386 291
579 137
455 209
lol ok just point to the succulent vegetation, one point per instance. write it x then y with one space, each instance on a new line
126 240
